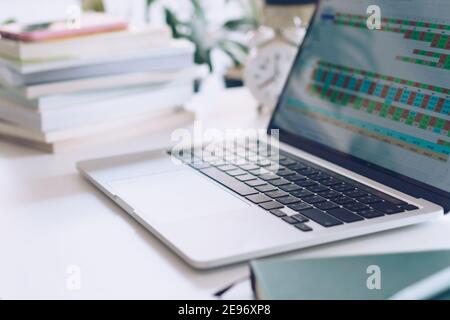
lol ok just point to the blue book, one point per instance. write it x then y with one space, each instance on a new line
418 275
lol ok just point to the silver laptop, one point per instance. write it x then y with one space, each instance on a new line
364 145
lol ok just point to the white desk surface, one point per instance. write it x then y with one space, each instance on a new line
50 219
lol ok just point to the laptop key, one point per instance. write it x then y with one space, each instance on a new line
314 199
246 177
344 215
330 182
343 187
302 193
218 163
269 177
274 168
266 188
303 227
370 213
326 205
278 213
388 198
290 187
300 218
355 193
306 183
237 172
409 207
387 208
343 200
300 206
271 205
308 172
264 162
295 177
259 198
287 162
227 167
229 182
369 199
255 183
317 188
239 162
290 220
321 218
288 200
297 166
249 167
319 176
330 194
277 194
279 182
285 172
276 157
355 207
259 172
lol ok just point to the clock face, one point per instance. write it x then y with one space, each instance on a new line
267 70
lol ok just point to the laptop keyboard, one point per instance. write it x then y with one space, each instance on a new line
315 193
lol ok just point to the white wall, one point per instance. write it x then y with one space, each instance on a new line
132 10
30 11
27 11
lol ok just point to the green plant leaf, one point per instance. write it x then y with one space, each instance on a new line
196 30
242 24
199 12
235 50
173 23
238 45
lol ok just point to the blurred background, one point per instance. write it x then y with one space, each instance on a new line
72 69
221 29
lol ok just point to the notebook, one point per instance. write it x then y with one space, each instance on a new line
368 277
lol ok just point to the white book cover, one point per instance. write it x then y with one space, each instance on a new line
73 93
134 39
113 132
174 48
180 55
166 96
94 84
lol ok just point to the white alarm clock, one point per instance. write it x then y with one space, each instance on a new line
267 69
273 50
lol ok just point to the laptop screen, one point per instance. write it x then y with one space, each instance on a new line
379 95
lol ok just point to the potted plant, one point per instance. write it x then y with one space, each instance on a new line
197 30
229 38
250 21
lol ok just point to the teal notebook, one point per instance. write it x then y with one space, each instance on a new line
368 277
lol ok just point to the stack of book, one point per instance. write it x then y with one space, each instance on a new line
59 83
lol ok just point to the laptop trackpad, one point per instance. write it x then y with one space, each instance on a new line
175 196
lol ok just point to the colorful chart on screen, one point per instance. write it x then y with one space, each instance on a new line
382 95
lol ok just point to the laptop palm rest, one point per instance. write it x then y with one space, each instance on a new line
175 196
